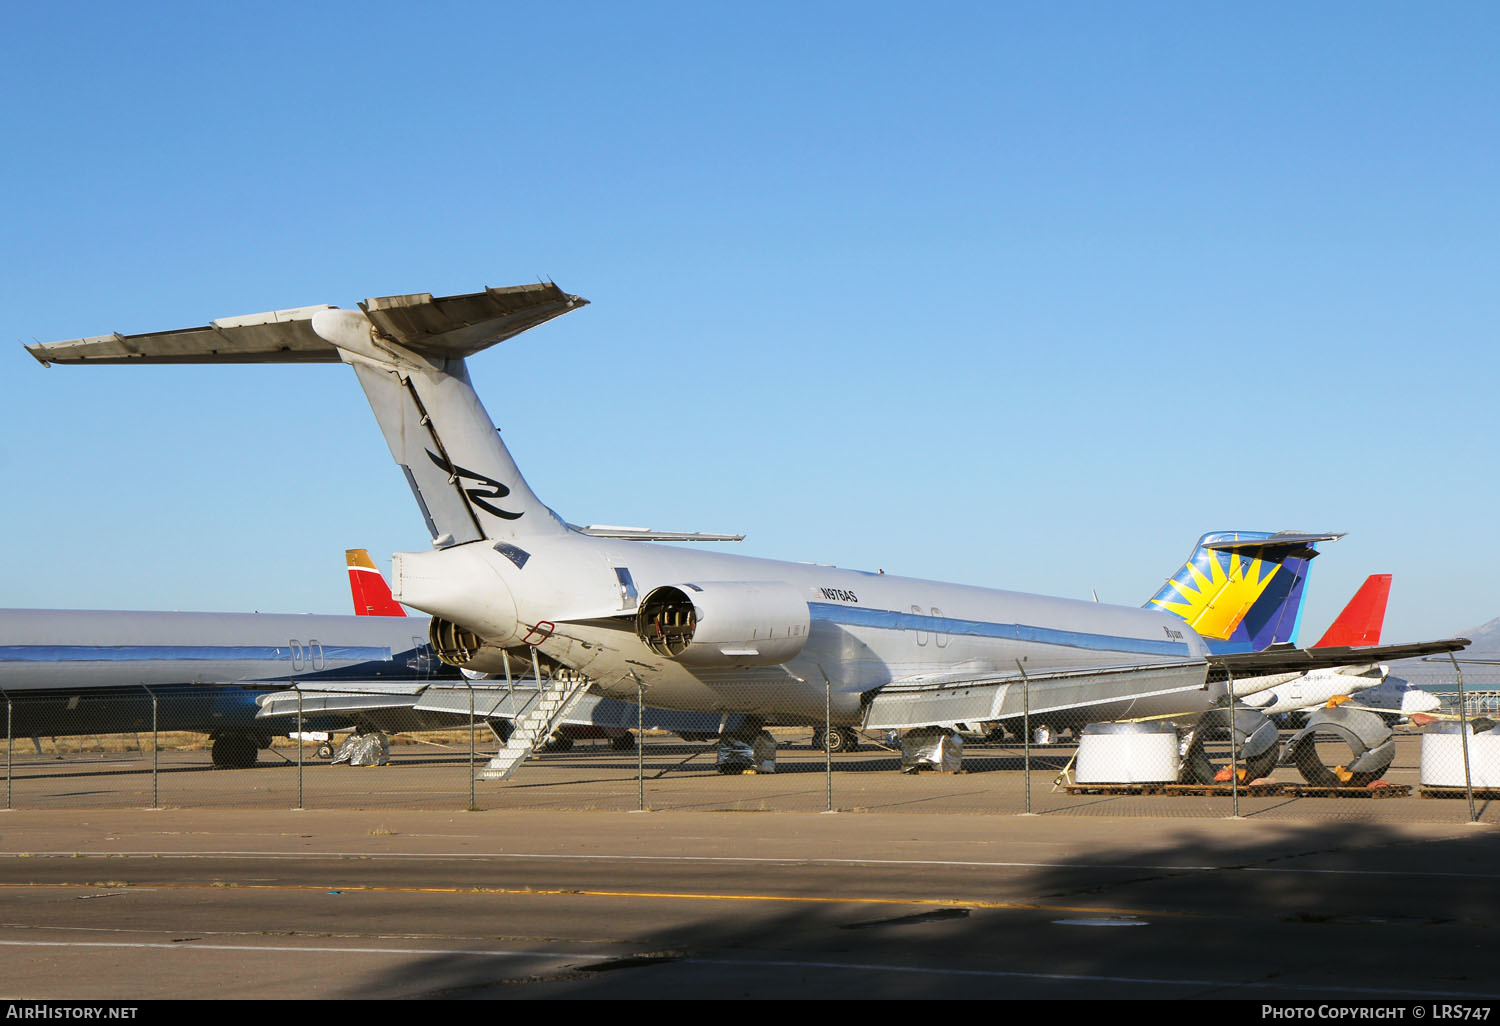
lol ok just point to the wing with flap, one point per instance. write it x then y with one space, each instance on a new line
944 701
1288 659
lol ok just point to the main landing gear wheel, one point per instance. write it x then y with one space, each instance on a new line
839 739
623 743
324 750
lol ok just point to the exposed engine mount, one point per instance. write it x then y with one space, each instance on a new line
460 647
725 623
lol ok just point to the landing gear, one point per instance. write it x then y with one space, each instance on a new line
624 743
558 743
741 753
839 739
234 751
324 750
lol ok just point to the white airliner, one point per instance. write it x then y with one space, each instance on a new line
717 632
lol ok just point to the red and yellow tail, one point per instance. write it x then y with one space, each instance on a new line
372 596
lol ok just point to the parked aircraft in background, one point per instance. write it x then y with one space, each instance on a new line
372 596
1358 624
66 672
716 632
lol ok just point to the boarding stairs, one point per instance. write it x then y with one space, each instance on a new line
538 721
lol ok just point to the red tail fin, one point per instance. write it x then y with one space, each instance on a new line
372 596
1362 618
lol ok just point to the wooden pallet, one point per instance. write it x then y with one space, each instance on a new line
1486 793
1273 790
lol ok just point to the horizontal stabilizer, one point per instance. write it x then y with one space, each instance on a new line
646 534
1281 540
281 336
442 328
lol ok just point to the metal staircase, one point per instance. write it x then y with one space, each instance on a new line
537 722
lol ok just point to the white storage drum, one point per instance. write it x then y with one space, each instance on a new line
1127 753
1443 756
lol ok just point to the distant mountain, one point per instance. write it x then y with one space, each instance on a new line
1436 672
1486 639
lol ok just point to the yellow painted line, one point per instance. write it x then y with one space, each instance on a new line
577 893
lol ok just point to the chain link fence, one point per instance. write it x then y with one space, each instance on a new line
554 745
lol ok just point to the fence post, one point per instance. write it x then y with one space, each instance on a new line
640 743
827 740
9 745
1234 749
155 744
1026 730
1463 733
298 688
470 685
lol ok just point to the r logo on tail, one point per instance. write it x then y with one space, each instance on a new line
478 495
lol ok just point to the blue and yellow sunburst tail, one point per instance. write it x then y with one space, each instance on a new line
1242 588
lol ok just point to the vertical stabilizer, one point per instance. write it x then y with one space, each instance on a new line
408 352
1362 619
372 596
1243 587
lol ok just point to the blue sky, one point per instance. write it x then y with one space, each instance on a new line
1027 296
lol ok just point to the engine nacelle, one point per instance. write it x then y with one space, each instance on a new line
725 623
460 647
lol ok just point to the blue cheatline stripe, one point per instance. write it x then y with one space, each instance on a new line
889 619
186 653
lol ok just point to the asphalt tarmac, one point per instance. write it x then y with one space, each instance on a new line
400 903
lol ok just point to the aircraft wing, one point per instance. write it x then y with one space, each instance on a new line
441 328
1288 659
446 704
944 701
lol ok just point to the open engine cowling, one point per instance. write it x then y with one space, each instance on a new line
725 623
463 648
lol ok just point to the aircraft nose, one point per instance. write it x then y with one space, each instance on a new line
1416 700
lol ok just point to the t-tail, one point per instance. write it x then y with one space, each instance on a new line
1243 590
409 353
372 596
1362 619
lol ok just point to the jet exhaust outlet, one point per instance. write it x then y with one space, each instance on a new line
725 623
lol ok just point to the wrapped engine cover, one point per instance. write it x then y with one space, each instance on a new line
934 748
725 623
747 755
364 750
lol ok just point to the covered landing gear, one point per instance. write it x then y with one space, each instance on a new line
747 751
236 751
